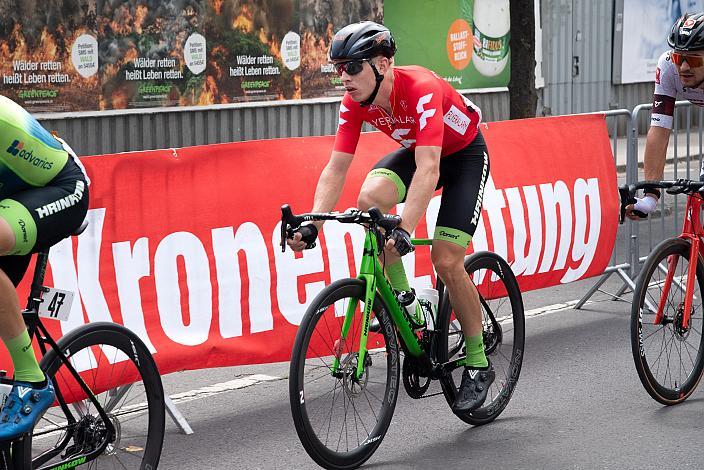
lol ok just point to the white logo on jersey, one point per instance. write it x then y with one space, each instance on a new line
424 113
457 120
343 109
398 135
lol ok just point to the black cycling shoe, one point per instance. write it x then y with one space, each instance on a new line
474 388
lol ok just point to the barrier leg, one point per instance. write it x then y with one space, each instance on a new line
116 394
622 290
593 290
176 416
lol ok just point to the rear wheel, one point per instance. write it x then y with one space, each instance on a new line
342 419
121 373
668 355
504 334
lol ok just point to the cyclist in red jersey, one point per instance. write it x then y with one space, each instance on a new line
440 146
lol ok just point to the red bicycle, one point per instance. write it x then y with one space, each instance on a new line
667 317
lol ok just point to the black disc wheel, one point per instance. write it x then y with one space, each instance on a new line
121 373
668 352
503 330
341 417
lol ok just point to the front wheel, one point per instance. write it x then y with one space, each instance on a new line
668 354
503 330
340 418
120 371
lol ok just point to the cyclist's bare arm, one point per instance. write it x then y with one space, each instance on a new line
328 191
653 160
422 186
331 182
655 150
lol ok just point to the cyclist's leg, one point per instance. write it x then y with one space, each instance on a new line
384 187
39 217
463 175
13 218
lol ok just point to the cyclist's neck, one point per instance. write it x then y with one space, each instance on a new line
383 96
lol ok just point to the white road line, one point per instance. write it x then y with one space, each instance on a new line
552 308
222 387
182 397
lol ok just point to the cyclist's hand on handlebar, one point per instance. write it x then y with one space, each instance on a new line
400 242
642 207
303 238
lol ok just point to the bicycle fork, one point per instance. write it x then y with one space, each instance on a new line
689 288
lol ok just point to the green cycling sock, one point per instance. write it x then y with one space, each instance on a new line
475 352
397 276
23 358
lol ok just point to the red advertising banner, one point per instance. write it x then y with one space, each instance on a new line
183 244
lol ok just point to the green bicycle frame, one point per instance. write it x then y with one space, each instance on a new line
372 274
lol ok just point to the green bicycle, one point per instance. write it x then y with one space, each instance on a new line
344 379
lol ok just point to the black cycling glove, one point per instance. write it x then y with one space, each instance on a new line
402 241
309 233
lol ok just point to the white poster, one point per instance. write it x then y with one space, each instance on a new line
645 25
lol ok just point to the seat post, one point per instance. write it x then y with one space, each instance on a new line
38 279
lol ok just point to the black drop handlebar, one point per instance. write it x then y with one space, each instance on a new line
373 218
627 192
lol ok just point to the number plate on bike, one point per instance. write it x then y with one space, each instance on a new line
55 303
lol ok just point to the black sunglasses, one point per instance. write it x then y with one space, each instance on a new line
352 67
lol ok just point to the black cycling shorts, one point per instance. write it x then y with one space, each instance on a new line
56 211
463 175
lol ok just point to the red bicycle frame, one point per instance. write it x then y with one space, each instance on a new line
694 232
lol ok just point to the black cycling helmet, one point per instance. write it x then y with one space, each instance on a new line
362 40
687 33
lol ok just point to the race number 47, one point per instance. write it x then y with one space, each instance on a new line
55 304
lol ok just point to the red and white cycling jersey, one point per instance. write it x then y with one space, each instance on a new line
667 86
426 110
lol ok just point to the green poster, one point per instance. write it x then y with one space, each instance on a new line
463 41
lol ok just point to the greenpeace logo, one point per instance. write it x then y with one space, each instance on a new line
16 149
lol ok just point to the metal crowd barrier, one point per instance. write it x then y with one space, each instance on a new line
620 260
684 155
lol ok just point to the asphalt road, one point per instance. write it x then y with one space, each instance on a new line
578 404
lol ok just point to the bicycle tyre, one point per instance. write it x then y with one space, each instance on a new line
673 334
450 343
95 339
303 393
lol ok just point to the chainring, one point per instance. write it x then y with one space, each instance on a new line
414 381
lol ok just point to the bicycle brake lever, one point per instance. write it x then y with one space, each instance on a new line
627 197
286 229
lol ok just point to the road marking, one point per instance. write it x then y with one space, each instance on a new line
183 397
222 387
552 308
